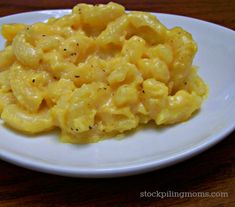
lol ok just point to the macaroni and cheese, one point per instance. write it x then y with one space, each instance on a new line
96 73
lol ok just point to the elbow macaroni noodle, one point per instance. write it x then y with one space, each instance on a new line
97 73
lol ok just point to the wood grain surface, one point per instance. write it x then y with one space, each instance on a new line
212 171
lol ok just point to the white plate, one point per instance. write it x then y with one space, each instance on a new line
149 149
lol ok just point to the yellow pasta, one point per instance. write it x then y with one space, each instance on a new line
97 73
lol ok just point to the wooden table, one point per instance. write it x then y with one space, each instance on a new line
212 171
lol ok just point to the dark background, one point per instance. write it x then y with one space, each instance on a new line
212 171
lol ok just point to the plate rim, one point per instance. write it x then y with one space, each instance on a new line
154 13
119 171
134 169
